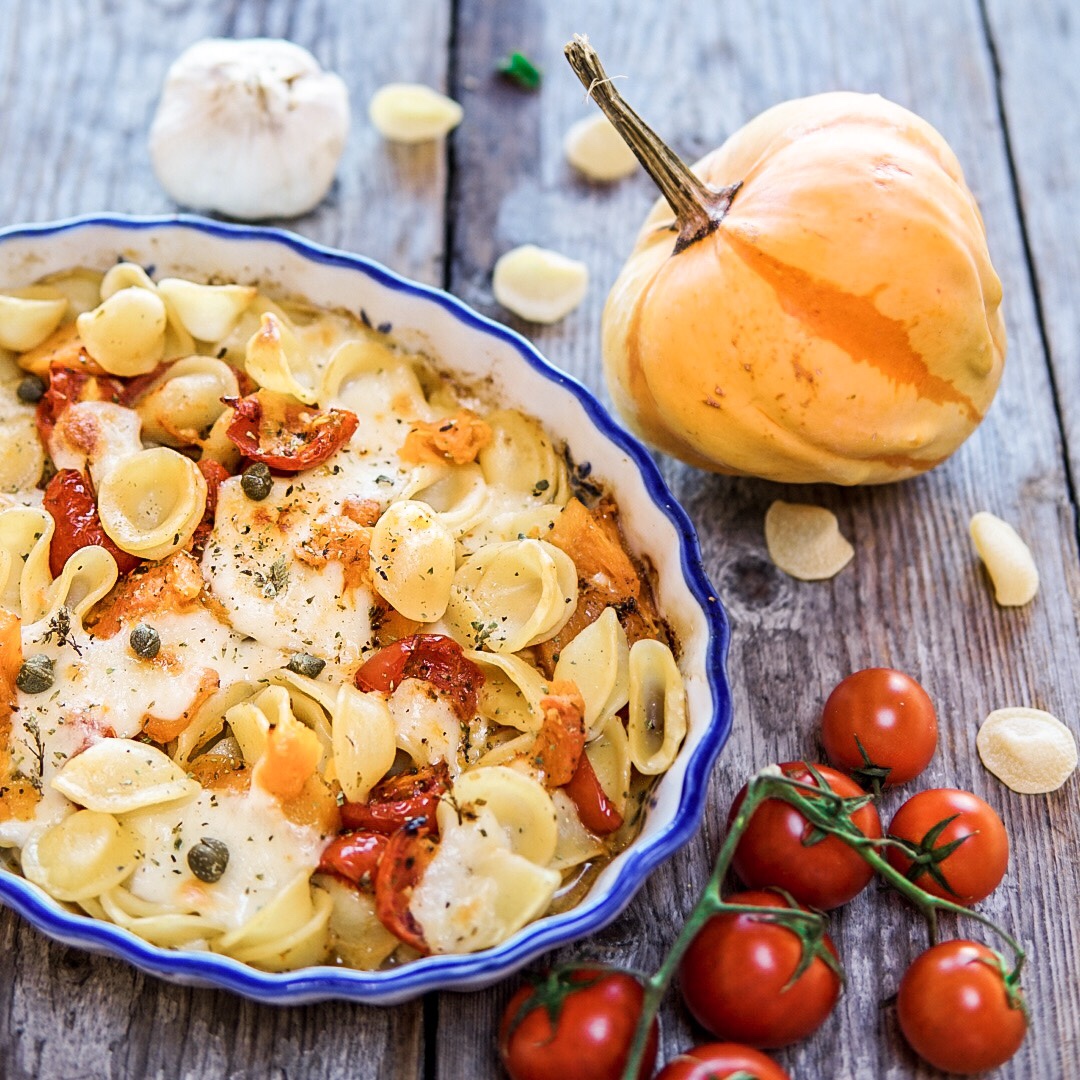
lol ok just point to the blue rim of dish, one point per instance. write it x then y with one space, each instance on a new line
442 971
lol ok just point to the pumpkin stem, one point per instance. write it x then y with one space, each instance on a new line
699 209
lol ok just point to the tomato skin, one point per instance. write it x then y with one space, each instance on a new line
734 973
69 386
771 851
893 718
434 658
596 810
589 1040
399 800
69 498
975 869
717 1061
295 437
954 1010
354 856
401 866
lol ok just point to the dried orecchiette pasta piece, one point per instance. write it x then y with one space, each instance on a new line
598 661
25 536
208 312
657 722
28 316
476 892
509 596
365 741
609 756
521 806
125 334
805 541
511 691
151 502
276 361
117 776
187 400
1030 750
84 855
1007 558
522 458
412 561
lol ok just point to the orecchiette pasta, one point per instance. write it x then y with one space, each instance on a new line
293 598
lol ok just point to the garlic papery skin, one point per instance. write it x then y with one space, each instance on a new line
252 129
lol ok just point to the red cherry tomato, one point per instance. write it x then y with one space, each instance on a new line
400 869
718 1061
955 1010
880 726
69 498
963 849
596 810
398 800
214 473
354 856
434 658
68 386
575 1025
781 848
285 435
734 978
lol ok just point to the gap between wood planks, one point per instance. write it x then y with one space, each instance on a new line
1029 259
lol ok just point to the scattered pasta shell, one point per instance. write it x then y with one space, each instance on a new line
1007 559
539 285
116 776
207 312
805 541
1027 749
28 316
597 150
412 113
125 334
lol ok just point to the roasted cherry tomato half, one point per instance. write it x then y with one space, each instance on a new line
434 658
781 848
214 473
596 810
736 973
354 856
400 869
576 1024
957 1011
959 849
718 1061
394 802
69 497
284 434
68 386
880 726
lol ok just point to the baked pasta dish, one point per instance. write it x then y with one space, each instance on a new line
308 652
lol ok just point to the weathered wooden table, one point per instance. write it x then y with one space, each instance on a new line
1001 79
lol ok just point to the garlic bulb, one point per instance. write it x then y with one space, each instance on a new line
252 129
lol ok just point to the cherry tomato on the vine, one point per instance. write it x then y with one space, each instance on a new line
718 1061
781 848
880 726
736 973
576 1024
961 843
957 1011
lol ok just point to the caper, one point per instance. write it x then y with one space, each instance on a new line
257 481
31 389
208 859
145 641
303 663
35 675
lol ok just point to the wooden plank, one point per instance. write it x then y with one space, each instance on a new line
78 86
915 597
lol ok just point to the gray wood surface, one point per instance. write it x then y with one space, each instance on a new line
78 83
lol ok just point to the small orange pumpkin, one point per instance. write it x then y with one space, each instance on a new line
820 307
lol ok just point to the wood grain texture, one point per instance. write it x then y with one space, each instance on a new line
915 597
78 83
